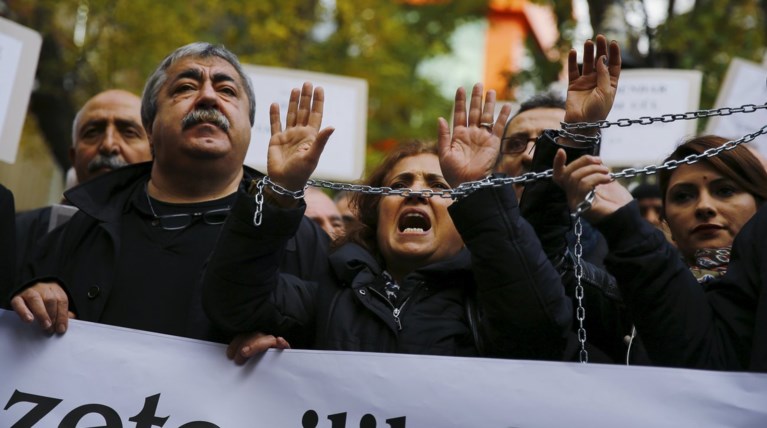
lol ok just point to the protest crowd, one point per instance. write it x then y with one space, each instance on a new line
459 246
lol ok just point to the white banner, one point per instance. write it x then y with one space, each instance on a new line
345 109
19 51
651 93
744 83
101 376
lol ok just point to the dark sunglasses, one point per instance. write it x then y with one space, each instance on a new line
182 221
516 143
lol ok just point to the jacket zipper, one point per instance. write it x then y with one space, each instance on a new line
395 310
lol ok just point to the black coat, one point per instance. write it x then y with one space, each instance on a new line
521 310
723 327
31 227
606 321
7 246
82 255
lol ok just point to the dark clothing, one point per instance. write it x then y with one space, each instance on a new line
169 257
498 297
544 205
31 226
7 246
722 326
593 243
85 255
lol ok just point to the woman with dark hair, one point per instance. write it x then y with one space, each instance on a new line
421 275
707 203
720 326
431 275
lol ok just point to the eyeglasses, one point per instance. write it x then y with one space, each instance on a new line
182 221
516 143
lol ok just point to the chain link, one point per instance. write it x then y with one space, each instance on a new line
666 118
580 312
466 188
295 194
691 159
259 198
579 138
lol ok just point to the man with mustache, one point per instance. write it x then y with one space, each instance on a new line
132 255
106 134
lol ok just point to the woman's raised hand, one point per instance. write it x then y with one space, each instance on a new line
470 151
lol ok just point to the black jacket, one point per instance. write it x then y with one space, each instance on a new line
7 246
81 256
722 327
521 310
606 321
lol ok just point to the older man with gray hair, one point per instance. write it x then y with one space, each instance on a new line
132 255
106 135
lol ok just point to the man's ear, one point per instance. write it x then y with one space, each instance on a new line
71 155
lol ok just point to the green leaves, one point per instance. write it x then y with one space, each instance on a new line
380 41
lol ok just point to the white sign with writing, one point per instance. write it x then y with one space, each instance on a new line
97 375
19 51
345 109
650 93
744 83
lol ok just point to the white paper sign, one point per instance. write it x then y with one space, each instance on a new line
744 83
650 93
345 109
19 51
97 375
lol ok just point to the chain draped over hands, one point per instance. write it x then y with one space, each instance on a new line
468 187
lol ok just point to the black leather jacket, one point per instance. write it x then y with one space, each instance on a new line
606 321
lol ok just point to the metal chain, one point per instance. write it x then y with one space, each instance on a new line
259 198
463 189
580 312
666 118
295 194
579 138
468 187
691 159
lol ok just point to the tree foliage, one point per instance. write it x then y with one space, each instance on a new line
706 37
380 41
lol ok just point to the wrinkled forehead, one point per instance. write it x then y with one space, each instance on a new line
124 107
536 120
201 68
420 165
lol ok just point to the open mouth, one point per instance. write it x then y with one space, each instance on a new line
414 222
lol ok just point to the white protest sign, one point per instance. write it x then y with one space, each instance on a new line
744 83
19 51
650 93
97 375
346 109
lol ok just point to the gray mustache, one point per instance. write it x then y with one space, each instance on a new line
205 115
110 161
